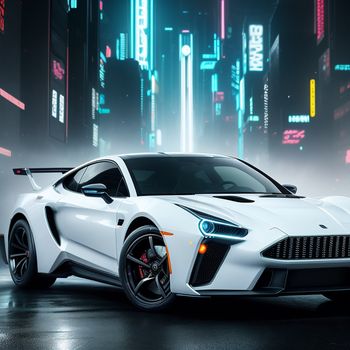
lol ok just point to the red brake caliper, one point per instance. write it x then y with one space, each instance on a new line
143 257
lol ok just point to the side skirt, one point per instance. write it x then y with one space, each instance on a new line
71 268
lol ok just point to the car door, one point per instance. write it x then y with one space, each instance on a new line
88 224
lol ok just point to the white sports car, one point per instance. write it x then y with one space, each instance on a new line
162 225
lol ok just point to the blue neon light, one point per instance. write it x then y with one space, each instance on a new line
342 67
103 57
214 83
299 118
104 110
207 65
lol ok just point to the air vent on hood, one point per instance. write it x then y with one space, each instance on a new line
236 199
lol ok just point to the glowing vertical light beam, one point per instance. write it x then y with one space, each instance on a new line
190 98
142 33
151 33
222 21
132 27
312 98
186 69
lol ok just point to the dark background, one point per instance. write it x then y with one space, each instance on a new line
73 88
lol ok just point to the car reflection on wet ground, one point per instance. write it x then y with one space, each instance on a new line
78 314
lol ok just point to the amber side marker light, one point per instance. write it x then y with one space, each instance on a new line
202 248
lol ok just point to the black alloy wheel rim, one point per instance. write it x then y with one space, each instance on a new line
19 253
147 270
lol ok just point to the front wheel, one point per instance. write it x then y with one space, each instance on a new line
22 258
144 269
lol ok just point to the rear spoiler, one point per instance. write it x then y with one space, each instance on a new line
30 171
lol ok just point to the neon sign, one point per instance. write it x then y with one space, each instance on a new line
2 16
102 70
312 98
253 118
299 118
108 52
5 152
222 22
95 135
293 136
266 105
57 70
12 99
54 104
347 156
342 67
256 48
141 52
320 23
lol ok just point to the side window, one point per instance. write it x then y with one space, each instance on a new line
105 173
71 182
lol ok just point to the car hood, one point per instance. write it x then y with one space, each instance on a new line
294 216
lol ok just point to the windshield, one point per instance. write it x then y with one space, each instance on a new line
175 175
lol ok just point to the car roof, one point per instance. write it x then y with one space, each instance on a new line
168 154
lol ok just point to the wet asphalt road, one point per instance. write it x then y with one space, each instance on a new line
77 314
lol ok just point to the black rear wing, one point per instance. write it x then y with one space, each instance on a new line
24 171
30 171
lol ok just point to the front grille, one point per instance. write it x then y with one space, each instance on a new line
310 247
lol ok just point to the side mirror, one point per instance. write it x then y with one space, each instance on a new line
97 190
291 188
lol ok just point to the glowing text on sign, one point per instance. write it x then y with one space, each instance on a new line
256 48
2 16
293 136
312 98
320 23
57 70
141 42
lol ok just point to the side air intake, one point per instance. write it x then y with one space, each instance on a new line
50 216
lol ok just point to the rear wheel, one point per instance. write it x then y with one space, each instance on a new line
22 258
338 296
144 269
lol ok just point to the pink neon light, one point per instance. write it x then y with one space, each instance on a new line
347 156
223 19
101 5
2 16
185 31
320 25
341 111
12 99
67 91
5 152
293 137
108 51
219 96
58 70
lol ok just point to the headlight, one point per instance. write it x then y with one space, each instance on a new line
213 227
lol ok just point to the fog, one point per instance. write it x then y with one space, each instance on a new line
312 179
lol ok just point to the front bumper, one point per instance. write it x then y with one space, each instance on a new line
275 282
2 249
245 271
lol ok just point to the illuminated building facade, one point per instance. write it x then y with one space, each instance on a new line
333 63
252 135
293 122
11 102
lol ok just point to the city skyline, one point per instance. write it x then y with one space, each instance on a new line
223 76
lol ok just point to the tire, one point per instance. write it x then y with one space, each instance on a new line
144 270
338 296
22 258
